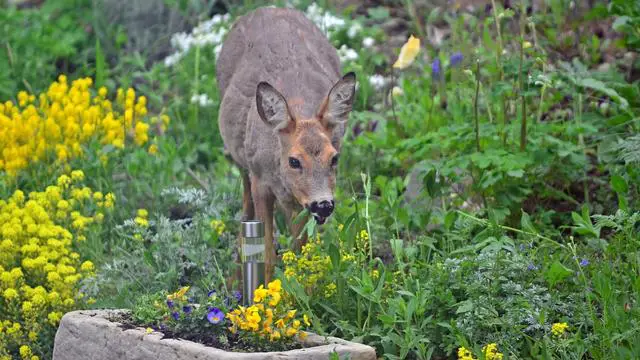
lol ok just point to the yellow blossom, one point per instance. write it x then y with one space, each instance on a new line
558 329
153 149
465 354
408 53
491 352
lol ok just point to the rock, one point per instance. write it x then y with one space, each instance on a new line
91 335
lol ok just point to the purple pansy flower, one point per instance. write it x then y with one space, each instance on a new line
187 309
176 315
238 295
215 316
170 304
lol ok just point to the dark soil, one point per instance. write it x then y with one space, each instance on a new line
227 341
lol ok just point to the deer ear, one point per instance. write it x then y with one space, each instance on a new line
337 105
273 108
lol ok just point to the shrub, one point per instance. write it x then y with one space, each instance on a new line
40 268
60 124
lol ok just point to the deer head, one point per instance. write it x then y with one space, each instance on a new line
310 147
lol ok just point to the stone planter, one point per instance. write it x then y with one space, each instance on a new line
84 335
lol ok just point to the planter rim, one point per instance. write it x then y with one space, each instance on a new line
313 343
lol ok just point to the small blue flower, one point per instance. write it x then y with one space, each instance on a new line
435 68
238 295
170 304
176 315
584 262
456 59
532 267
215 316
187 309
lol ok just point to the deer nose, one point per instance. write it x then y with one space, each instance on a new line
323 208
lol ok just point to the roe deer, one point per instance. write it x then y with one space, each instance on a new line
282 116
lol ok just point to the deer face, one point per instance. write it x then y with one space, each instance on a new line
309 157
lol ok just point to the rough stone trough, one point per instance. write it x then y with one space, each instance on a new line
85 335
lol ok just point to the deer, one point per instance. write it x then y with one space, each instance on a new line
282 117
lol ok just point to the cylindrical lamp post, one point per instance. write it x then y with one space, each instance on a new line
252 258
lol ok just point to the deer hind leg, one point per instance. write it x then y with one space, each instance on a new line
264 200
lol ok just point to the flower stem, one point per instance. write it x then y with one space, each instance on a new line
475 107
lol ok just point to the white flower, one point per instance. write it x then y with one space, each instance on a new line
368 42
202 99
210 32
347 54
377 81
324 20
354 29
173 59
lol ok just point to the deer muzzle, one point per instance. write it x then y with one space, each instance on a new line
321 210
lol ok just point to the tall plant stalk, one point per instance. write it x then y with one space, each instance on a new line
521 77
496 20
475 107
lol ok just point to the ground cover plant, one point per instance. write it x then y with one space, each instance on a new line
488 202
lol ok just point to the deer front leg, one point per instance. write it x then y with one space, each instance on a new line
248 213
263 201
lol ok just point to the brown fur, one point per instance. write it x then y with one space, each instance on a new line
282 96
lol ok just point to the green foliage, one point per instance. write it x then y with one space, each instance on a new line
168 253
627 21
50 40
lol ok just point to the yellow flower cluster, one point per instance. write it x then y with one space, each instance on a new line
39 269
57 125
558 329
490 352
142 218
180 295
309 267
218 226
362 241
267 318
465 354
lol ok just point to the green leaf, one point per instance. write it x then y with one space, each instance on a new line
599 86
619 184
450 219
527 225
464 306
378 13
516 173
556 273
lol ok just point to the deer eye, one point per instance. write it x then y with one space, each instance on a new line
294 163
334 160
